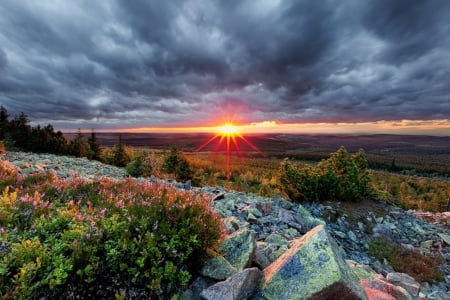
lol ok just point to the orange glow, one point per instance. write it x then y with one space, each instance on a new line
438 127
228 135
228 129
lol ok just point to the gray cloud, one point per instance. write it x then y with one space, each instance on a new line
151 63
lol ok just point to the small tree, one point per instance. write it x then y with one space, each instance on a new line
141 166
94 145
121 157
177 164
78 146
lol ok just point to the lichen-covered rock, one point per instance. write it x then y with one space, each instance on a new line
313 268
217 268
238 248
240 286
362 271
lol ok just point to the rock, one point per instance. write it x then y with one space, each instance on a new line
238 248
251 218
262 254
217 268
277 240
231 224
445 238
313 268
219 196
340 234
187 185
240 286
378 289
362 271
405 281
195 289
352 236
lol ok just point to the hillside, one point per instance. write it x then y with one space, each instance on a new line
270 226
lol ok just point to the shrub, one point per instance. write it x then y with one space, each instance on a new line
341 177
81 235
140 166
175 163
422 267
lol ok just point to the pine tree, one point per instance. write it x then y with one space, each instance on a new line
120 155
94 145
78 146
3 122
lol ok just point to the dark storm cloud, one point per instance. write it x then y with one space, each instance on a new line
159 63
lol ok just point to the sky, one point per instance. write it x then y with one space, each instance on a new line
291 66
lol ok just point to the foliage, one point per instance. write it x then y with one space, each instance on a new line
60 236
121 155
176 163
342 176
78 147
411 192
19 135
422 267
140 166
94 147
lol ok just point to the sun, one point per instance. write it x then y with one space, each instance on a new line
228 136
228 129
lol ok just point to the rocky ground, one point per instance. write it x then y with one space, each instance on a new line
266 228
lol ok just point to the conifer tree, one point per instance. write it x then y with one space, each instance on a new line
94 145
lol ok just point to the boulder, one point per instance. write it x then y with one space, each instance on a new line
195 289
405 281
378 289
445 238
217 268
313 268
240 286
238 248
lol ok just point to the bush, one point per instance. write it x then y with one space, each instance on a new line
82 236
175 163
423 268
141 166
342 177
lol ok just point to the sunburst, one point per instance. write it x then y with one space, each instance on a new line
229 134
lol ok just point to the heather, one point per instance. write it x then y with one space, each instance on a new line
62 238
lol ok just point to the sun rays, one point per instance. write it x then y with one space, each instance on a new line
228 136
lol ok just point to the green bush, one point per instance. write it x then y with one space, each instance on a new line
342 177
82 236
140 166
175 163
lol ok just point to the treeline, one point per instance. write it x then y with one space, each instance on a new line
18 135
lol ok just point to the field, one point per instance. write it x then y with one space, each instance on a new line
412 171
408 154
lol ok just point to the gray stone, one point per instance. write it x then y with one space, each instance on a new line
217 268
195 289
352 236
238 248
251 218
240 286
313 268
405 281
445 238
231 224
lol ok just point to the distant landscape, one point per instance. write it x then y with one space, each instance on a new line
411 154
